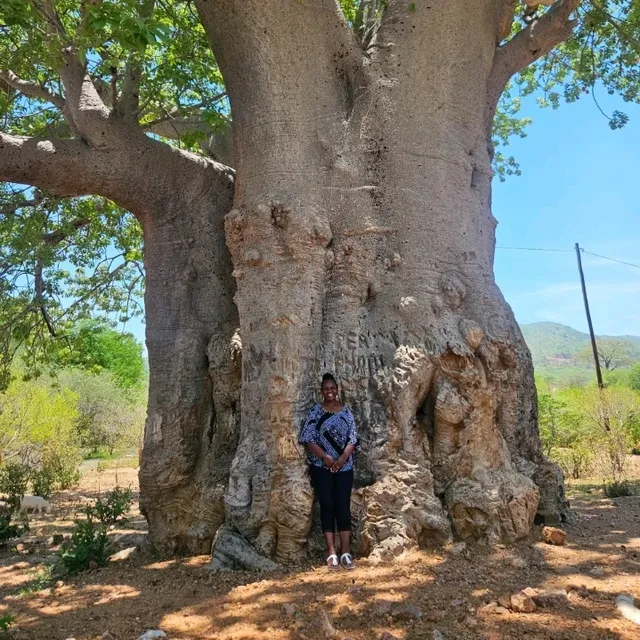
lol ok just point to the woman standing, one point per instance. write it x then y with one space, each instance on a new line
329 435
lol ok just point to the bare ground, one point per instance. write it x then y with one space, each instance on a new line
600 560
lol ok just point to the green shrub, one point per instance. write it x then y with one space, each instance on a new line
8 530
88 545
6 620
42 481
68 477
618 489
115 504
62 461
576 462
14 479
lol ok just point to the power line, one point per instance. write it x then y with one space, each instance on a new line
597 255
536 249
630 264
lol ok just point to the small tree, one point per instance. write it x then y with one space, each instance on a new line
565 436
634 378
612 354
96 347
109 417
37 428
611 414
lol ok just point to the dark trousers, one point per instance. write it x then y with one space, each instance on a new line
334 494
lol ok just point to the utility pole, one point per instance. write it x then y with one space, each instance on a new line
586 308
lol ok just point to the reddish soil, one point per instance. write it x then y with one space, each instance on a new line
600 559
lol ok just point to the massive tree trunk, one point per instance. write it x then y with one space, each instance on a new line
360 234
362 243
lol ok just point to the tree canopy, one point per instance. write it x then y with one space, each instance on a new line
612 354
73 254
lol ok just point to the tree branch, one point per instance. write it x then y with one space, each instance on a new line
107 280
39 297
65 167
529 44
182 112
624 36
34 202
129 100
56 237
216 142
31 89
84 109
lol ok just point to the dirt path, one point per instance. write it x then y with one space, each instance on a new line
600 560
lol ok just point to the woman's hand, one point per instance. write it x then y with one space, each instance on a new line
329 462
339 463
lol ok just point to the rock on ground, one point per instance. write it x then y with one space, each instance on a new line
125 554
153 634
324 626
551 598
406 611
552 535
231 551
627 608
522 603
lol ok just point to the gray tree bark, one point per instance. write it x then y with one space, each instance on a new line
362 242
194 361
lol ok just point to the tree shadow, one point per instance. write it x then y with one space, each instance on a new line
189 603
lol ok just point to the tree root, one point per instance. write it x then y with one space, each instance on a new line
231 552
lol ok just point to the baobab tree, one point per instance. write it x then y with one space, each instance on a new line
350 230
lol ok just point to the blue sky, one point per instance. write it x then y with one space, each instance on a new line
580 183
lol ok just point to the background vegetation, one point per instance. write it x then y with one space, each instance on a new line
589 432
90 403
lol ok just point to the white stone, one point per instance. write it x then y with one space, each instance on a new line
125 554
627 608
153 634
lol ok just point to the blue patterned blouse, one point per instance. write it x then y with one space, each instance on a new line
332 431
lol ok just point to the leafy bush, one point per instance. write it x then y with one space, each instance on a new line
576 462
42 482
8 530
588 430
88 545
115 504
62 460
618 489
6 620
14 479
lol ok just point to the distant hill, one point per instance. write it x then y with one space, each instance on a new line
556 345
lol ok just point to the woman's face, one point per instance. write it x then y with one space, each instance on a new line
329 391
